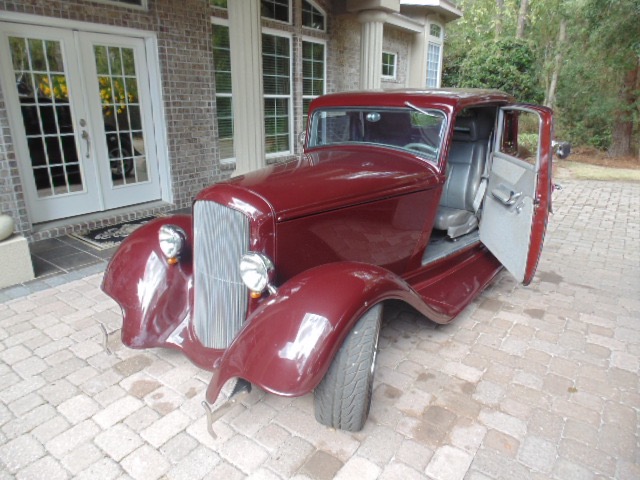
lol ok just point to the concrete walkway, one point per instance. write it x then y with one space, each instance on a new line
538 382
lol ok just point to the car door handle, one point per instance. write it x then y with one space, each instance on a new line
505 196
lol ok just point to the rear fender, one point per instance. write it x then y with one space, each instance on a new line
289 341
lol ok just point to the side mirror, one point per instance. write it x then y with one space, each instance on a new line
301 137
562 149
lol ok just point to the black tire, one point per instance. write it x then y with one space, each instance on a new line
343 398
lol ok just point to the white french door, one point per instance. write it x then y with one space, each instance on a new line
81 119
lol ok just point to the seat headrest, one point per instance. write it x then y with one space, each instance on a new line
472 128
391 128
395 122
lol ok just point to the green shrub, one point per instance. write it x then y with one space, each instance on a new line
508 65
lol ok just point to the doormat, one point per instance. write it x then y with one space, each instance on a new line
111 236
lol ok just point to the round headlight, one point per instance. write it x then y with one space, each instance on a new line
171 239
256 271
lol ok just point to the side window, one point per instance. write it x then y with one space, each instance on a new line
277 78
434 55
389 65
224 98
276 10
313 72
521 136
331 127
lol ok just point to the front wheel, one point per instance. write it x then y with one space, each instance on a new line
343 397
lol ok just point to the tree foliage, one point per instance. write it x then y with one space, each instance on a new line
507 65
590 73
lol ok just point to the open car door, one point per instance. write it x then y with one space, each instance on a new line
518 195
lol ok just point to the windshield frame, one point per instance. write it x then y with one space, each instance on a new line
368 114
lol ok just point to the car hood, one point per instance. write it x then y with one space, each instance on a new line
328 179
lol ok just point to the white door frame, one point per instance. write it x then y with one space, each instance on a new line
155 86
71 202
129 193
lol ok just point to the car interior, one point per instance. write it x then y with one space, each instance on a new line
458 215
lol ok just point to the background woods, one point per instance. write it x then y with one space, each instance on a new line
580 57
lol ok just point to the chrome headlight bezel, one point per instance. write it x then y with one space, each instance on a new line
256 271
171 239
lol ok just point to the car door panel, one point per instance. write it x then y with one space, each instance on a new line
517 203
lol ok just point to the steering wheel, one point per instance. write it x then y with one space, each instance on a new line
421 147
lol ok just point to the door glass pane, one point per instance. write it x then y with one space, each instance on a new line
124 137
42 88
521 136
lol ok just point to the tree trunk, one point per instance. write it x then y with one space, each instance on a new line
553 86
621 138
522 18
499 18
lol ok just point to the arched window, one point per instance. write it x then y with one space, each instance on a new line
313 16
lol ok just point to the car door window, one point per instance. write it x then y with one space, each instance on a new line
521 136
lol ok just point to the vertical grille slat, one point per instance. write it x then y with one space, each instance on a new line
221 298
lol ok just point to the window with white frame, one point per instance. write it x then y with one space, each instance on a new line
277 78
389 65
313 16
276 10
434 55
433 64
224 100
313 72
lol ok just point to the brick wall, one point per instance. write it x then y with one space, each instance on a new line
345 54
345 58
398 42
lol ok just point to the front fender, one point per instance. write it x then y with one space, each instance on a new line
289 341
153 295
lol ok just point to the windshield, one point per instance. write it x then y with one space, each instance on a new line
416 130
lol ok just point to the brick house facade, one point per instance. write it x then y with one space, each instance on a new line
179 143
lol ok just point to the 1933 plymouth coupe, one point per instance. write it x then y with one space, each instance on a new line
279 277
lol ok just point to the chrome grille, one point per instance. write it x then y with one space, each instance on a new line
221 238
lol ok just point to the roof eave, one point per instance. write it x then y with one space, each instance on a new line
445 9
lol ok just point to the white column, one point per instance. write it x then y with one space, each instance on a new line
245 38
418 59
371 48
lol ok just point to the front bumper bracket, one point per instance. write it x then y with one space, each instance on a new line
241 389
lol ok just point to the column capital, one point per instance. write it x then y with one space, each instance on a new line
372 16
355 6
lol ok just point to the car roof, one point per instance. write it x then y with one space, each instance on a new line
453 98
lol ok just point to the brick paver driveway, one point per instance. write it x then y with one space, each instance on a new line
537 382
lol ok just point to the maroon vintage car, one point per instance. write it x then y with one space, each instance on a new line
279 277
